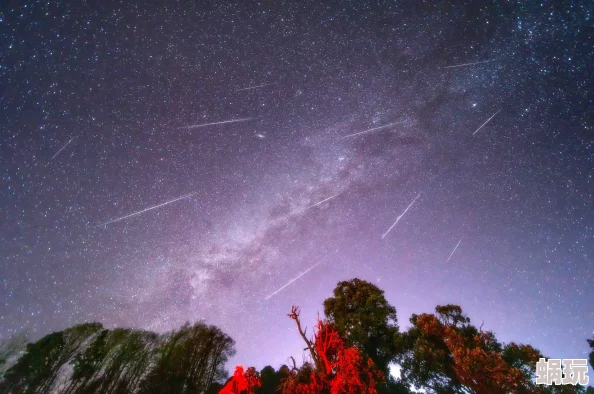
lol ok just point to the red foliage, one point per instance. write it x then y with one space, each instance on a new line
476 367
338 369
242 382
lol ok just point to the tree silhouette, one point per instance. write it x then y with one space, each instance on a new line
270 380
441 353
444 353
190 360
364 318
37 370
87 359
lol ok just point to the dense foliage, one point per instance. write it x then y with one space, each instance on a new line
349 352
365 319
90 359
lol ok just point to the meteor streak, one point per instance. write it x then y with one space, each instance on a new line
451 254
62 148
256 87
486 122
468 64
369 130
320 202
292 280
215 123
400 217
147 209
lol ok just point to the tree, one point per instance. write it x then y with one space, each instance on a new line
87 362
35 366
426 361
130 353
364 318
190 360
270 380
87 359
37 370
444 353
336 368
242 382
10 348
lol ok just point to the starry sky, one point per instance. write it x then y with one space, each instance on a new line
331 118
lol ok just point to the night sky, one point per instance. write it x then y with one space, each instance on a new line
97 101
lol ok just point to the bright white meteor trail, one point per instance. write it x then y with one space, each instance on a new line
62 148
369 130
486 122
292 280
255 87
320 202
468 64
401 215
195 126
147 209
453 251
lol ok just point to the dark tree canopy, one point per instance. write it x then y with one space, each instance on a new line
349 352
365 319
89 359
445 353
189 360
10 348
37 370
270 380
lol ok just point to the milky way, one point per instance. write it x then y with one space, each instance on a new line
275 87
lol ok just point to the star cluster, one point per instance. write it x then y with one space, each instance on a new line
96 103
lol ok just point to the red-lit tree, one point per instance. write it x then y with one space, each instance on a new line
336 368
242 382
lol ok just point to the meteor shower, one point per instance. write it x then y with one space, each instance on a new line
296 197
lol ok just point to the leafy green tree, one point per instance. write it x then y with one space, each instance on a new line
364 318
270 380
190 360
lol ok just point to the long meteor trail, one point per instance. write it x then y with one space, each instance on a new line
453 251
255 87
145 210
320 202
468 64
369 130
195 126
292 280
62 148
488 120
401 215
